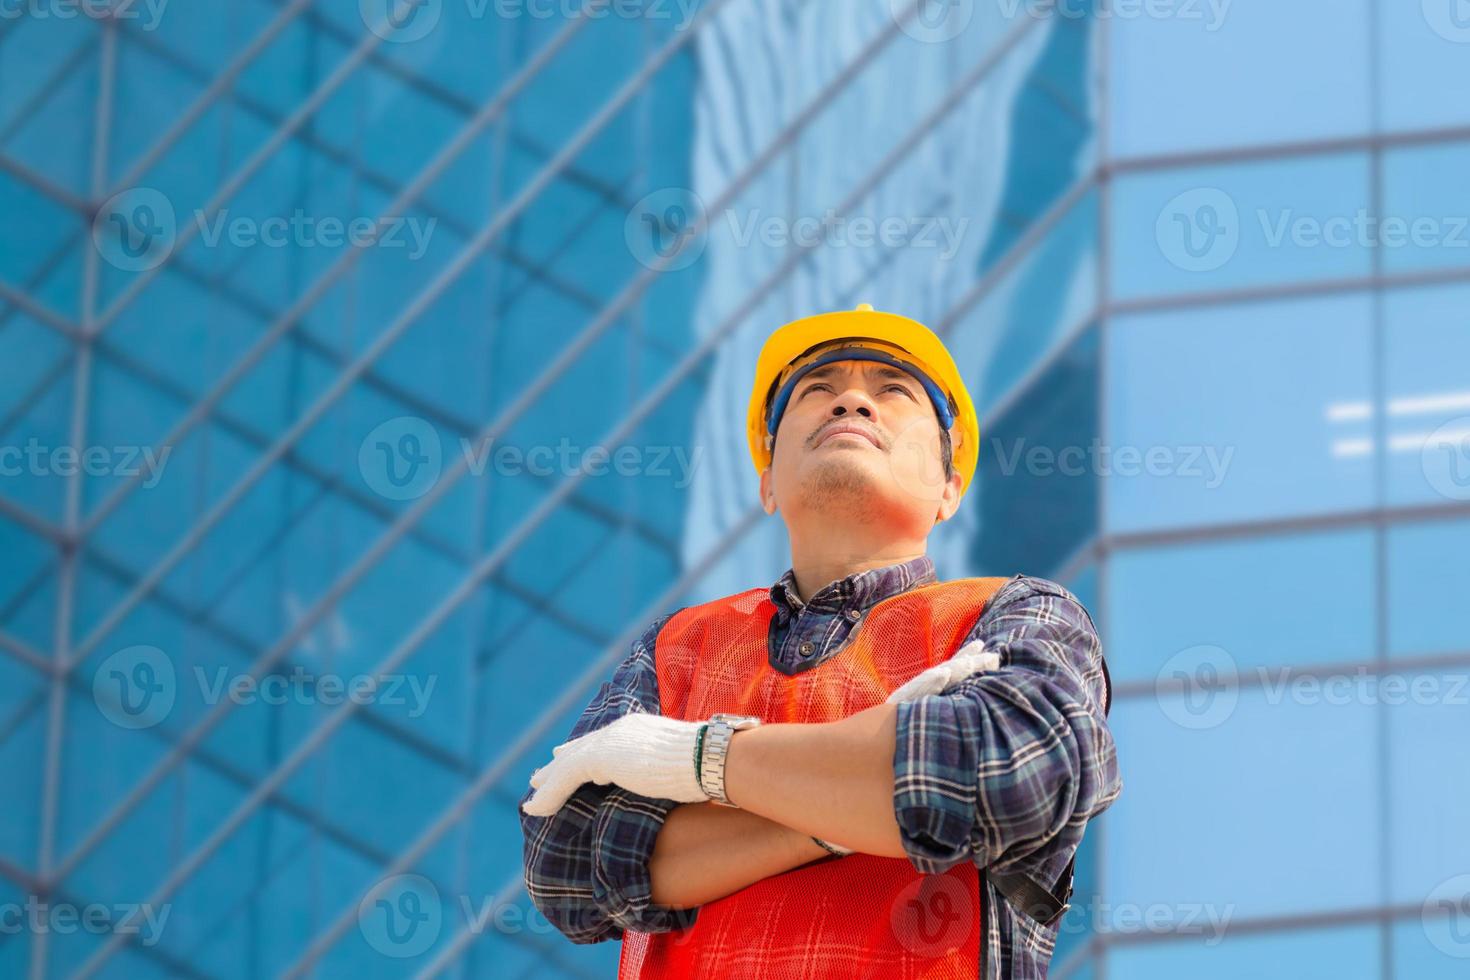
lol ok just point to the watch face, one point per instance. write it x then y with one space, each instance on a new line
738 722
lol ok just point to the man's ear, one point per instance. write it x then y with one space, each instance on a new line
950 501
768 494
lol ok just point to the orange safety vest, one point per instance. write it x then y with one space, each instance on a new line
859 915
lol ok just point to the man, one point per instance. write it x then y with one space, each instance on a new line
860 771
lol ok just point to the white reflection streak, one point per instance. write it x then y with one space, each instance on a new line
1447 401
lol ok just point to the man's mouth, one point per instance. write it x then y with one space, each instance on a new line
851 429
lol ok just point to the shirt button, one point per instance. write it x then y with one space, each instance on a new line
854 614
806 648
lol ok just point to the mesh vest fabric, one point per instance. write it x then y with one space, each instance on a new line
856 916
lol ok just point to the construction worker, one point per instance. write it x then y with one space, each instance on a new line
857 771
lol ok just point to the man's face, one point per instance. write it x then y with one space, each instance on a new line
861 436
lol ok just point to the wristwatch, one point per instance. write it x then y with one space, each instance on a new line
716 746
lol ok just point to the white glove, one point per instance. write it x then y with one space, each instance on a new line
970 659
645 753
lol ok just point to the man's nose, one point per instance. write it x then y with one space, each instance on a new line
855 399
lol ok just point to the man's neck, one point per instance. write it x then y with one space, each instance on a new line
820 562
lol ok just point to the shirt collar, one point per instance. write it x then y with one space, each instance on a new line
858 591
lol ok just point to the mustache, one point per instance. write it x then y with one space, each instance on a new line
868 430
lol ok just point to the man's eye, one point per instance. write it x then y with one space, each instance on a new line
814 386
900 388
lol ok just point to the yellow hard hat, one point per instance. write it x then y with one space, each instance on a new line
868 335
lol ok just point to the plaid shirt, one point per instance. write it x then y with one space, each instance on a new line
1004 770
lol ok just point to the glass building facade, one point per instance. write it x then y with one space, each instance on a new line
374 373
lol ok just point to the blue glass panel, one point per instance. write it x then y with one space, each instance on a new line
1189 76
1424 61
1230 813
1337 954
1430 950
1253 224
1428 794
1264 602
1036 494
1238 403
1427 367
1428 582
1426 207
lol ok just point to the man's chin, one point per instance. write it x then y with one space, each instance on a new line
845 480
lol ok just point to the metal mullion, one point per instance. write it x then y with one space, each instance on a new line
47 89
27 654
45 185
490 111
49 817
232 184
312 140
458 104
212 93
35 524
380 345
298 118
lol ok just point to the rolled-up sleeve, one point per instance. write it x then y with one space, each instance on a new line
1005 769
586 866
